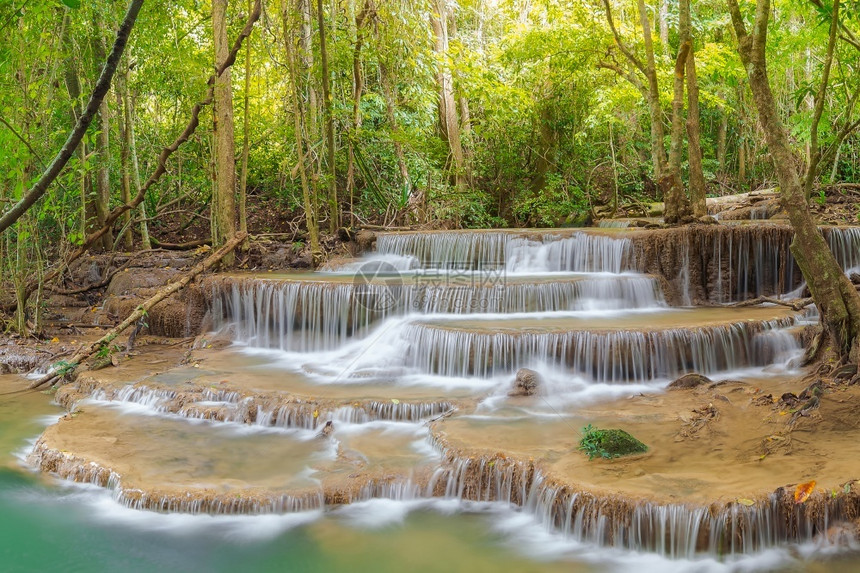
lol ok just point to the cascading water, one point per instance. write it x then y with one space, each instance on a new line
306 316
433 326
603 357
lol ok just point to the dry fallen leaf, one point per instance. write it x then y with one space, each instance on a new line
745 501
803 491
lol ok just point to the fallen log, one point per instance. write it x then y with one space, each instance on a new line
180 246
794 304
141 311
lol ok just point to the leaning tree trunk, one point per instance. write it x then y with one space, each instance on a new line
835 296
83 121
448 119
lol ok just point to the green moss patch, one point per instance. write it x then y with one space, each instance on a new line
608 444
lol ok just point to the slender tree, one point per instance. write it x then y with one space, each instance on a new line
694 130
224 195
333 208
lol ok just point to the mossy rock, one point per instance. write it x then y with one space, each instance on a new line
612 443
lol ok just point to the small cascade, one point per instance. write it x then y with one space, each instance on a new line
577 252
612 356
677 531
845 244
78 470
720 264
307 316
461 250
259 409
580 252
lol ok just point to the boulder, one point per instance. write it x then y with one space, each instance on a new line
688 381
327 430
365 239
526 383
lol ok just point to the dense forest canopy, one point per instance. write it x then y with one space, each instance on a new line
479 113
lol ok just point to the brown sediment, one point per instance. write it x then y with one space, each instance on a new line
676 528
161 465
694 436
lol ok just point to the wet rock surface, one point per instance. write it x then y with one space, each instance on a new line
688 381
526 383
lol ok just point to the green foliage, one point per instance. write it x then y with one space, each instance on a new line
63 367
552 205
608 444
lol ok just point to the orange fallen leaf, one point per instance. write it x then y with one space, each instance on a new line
803 491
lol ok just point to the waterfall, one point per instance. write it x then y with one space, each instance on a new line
673 530
580 252
307 316
602 356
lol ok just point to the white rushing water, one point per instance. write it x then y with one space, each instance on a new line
433 314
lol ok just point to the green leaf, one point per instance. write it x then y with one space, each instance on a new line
75 4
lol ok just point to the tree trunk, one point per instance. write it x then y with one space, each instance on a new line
547 143
658 150
463 108
835 296
448 120
333 208
135 169
721 141
298 125
124 154
224 192
246 144
388 94
676 205
357 89
694 146
663 17
99 203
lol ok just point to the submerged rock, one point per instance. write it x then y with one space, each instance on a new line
526 383
688 381
327 430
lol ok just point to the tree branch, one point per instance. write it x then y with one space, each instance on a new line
141 311
189 130
814 158
621 46
74 138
